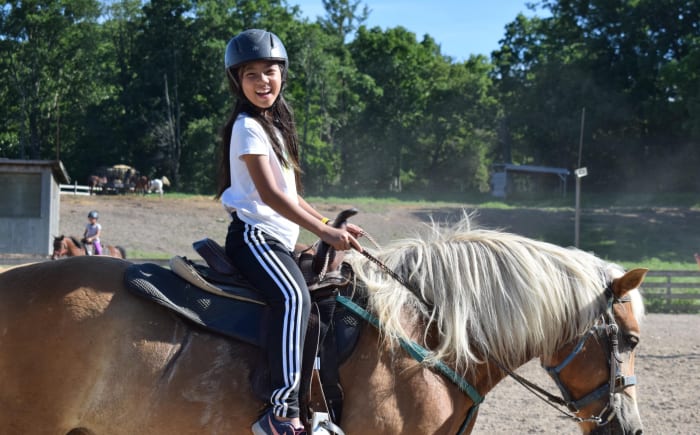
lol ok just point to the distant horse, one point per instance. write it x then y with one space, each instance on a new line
81 355
141 184
71 247
156 185
95 181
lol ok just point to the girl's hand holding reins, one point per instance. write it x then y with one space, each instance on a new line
341 239
353 229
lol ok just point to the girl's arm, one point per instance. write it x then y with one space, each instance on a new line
300 213
352 228
306 206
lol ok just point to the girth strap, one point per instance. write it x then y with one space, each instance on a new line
329 371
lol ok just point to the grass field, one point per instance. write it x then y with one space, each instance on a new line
661 232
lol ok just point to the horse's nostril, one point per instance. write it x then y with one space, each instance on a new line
639 432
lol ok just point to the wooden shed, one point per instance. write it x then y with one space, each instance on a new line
508 179
30 196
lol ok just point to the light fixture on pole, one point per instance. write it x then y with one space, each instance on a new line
580 173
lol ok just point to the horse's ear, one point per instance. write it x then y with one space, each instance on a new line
629 281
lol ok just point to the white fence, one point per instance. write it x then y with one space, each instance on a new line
76 189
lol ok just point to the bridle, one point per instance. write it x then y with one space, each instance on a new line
59 249
606 328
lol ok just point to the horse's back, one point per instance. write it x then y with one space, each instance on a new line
78 350
156 186
29 293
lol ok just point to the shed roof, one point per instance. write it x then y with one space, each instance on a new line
57 169
510 167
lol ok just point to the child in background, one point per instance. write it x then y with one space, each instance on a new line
92 233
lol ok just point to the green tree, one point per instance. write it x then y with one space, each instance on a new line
458 135
383 133
428 123
616 60
324 88
110 129
343 17
48 64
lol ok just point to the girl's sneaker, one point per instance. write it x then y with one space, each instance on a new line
269 425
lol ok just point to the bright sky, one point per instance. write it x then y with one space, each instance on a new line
460 27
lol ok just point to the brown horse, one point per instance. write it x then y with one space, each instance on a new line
95 181
71 247
141 184
79 354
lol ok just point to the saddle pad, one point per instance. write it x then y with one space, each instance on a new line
234 318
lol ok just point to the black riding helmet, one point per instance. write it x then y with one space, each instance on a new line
254 44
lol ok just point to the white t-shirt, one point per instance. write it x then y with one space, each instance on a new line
249 137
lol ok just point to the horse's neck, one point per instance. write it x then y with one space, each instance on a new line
393 381
73 248
386 368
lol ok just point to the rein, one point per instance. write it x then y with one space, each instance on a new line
389 272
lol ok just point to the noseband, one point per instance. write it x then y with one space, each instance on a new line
606 328
59 250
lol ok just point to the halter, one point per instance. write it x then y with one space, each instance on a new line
605 327
57 253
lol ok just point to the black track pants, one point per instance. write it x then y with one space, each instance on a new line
271 268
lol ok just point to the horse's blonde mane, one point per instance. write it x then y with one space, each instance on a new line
485 293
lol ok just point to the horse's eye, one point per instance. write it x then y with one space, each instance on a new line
632 340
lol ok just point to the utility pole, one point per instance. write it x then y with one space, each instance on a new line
58 128
580 173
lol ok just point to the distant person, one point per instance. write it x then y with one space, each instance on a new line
258 182
91 235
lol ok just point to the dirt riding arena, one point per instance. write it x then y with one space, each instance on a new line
668 377
668 361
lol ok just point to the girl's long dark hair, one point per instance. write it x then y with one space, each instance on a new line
279 116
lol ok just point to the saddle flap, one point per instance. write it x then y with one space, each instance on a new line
199 277
215 256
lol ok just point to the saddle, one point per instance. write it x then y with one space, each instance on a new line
217 297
